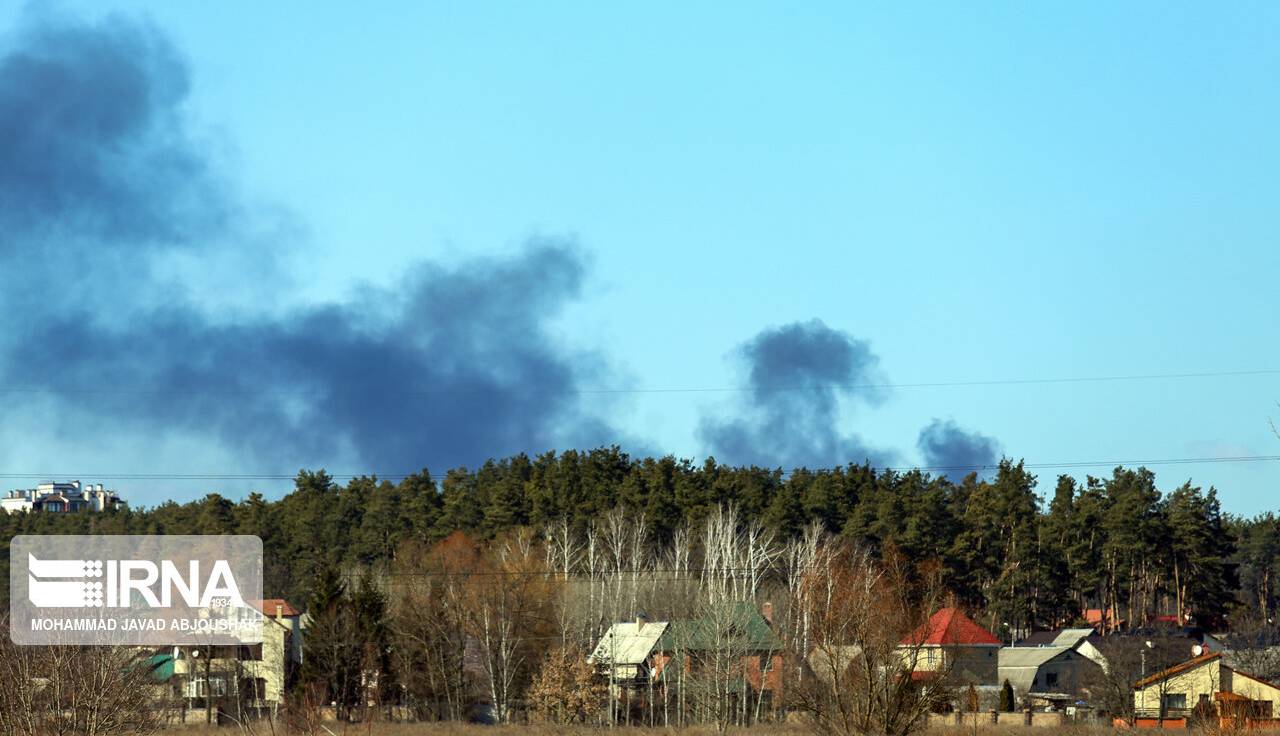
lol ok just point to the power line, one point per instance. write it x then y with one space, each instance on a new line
139 390
436 476
947 384
582 576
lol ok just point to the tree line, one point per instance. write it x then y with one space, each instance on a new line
1020 554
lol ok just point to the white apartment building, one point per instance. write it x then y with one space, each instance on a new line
55 497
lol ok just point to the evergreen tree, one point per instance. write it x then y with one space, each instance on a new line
332 648
1006 697
369 609
421 504
460 505
1199 549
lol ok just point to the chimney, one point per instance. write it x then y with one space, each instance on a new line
641 620
279 610
766 610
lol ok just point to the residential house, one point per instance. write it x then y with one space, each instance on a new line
1086 641
1206 682
625 653
1057 675
1259 658
953 644
55 498
736 642
280 610
255 675
1103 619
734 647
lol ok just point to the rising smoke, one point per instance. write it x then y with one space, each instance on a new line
101 181
797 376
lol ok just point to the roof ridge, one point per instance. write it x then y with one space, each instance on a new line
1177 669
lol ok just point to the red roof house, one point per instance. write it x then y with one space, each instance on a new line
951 643
276 607
1106 620
950 627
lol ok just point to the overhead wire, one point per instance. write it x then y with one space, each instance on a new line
1228 459
383 389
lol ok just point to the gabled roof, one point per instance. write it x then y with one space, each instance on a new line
950 627
630 642
1072 637
738 625
1031 656
1177 669
269 607
1020 666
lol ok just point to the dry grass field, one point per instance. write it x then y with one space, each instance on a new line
462 729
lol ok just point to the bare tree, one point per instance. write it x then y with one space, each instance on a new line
82 690
428 627
1253 645
865 620
506 611
562 547
1130 658
803 559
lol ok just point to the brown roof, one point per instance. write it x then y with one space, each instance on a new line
269 607
1176 669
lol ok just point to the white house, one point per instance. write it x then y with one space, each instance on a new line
624 651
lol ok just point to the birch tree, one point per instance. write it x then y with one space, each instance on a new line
867 631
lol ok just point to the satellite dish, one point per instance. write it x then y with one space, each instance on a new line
1196 650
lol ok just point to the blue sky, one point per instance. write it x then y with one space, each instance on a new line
1009 191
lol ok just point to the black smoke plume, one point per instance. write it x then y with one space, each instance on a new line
797 376
101 180
956 452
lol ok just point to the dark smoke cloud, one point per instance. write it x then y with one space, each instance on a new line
100 179
94 147
459 369
955 451
797 375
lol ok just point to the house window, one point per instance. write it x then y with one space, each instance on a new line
1174 701
199 687
1051 679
